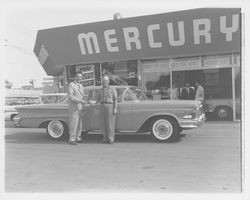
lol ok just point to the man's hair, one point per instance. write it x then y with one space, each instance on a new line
105 77
77 73
199 82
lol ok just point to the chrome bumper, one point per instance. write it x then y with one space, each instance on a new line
195 123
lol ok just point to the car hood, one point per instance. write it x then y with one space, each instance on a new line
184 104
173 103
43 106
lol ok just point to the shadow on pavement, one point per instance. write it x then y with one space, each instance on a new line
42 138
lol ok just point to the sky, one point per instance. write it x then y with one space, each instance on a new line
22 19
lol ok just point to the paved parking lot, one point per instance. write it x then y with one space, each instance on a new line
204 160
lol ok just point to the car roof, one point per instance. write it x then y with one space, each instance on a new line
116 86
54 94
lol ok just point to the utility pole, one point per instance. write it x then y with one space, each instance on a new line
32 82
117 16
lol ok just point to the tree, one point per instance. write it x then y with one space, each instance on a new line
8 84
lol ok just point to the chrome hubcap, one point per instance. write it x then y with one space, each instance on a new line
162 129
55 129
222 113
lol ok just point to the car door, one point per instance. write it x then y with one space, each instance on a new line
124 116
91 117
125 113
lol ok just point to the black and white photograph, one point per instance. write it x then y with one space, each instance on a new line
124 97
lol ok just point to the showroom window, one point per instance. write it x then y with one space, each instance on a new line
121 72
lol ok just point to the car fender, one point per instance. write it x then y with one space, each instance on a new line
146 123
45 121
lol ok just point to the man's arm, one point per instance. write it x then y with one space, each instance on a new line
98 100
114 99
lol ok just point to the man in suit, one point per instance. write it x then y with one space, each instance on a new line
187 93
107 97
76 104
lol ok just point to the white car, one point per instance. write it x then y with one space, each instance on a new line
12 102
15 100
165 119
223 108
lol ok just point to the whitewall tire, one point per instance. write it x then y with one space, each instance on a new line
164 129
56 129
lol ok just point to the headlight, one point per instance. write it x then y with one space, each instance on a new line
189 116
209 108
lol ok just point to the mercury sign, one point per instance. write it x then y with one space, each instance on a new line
204 31
131 35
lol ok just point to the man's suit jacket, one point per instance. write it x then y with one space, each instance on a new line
199 95
75 94
187 93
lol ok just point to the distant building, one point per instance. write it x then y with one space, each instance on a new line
27 87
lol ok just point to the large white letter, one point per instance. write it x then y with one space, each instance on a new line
109 40
87 37
204 32
229 30
151 41
181 40
134 38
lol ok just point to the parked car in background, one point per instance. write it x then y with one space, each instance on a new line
165 119
222 108
15 98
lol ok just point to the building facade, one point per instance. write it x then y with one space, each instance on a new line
152 52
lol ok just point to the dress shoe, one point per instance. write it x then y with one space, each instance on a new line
72 142
104 141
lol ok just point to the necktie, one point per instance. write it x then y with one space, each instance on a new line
79 88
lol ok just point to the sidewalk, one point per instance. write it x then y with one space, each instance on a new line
223 122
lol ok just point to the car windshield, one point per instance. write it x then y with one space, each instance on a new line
134 94
123 94
93 93
54 99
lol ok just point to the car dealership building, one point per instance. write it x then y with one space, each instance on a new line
152 52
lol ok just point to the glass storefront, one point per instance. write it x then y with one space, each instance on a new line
215 73
217 84
156 84
121 72
157 77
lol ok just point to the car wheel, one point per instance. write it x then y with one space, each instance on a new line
164 129
223 112
57 129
